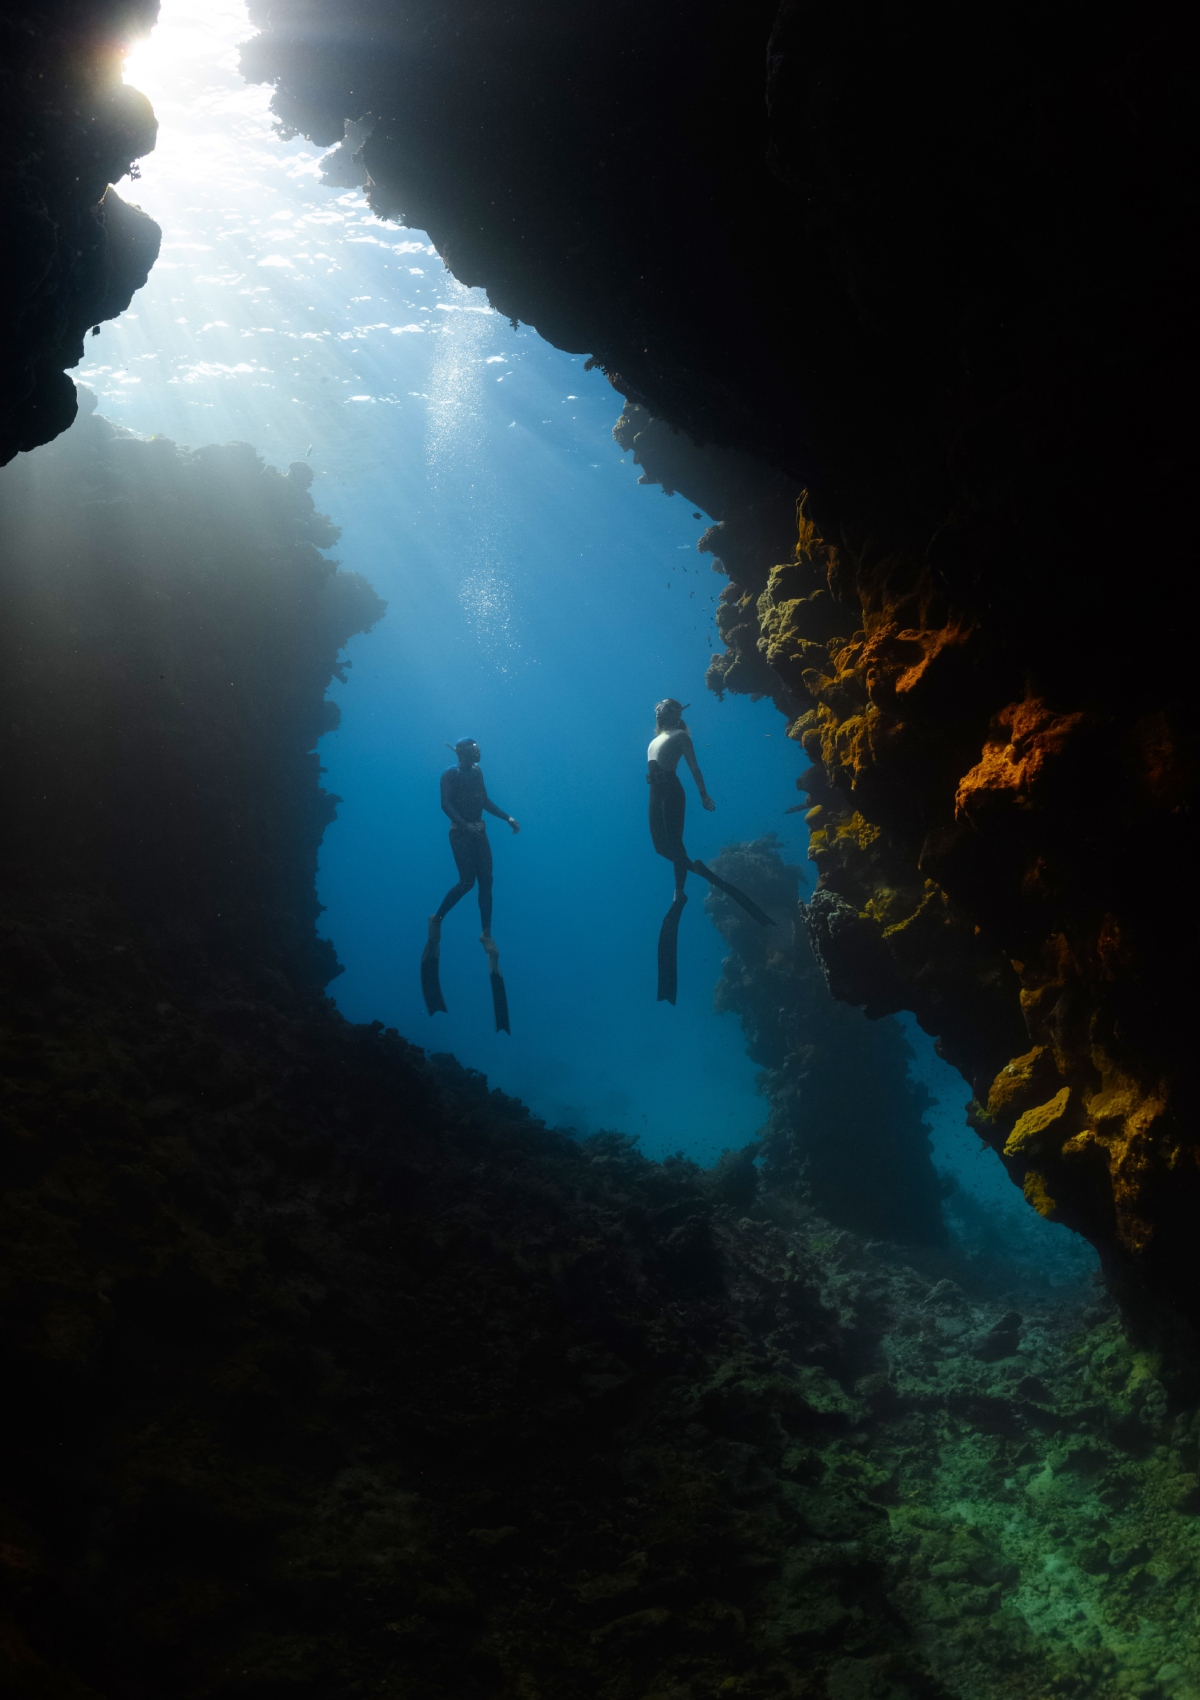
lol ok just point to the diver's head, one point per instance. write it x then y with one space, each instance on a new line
668 715
467 751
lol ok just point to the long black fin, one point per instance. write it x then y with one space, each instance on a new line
431 985
668 952
500 1004
739 897
499 995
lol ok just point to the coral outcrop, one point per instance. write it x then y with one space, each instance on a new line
846 1129
992 896
74 252
876 250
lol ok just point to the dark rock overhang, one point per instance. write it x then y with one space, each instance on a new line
75 252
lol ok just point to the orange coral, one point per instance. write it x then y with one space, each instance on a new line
882 664
1012 768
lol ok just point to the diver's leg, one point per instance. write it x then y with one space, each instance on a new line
464 860
654 813
667 810
453 896
483 873
739 897
431 986
499 994
667 803
674 815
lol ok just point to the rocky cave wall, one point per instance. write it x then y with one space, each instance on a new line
328 1369
161 765
72 251
878 250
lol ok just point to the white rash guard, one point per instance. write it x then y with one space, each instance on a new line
667 748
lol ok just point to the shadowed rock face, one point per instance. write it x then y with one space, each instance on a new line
878 249
74 252
169 762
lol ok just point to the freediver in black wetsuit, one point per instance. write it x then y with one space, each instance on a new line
465 800
672 743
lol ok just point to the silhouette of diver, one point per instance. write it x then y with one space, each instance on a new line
464 800
671 743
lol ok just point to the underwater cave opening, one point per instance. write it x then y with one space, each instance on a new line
538 600
332 1367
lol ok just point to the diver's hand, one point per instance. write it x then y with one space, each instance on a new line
515 824
707 802
476 826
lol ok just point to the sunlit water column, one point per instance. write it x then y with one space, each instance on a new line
538 598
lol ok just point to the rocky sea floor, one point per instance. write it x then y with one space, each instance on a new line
333 1373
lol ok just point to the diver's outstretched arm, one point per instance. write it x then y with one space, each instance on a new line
495 809
689 756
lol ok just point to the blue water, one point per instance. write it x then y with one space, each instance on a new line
540 601
544 618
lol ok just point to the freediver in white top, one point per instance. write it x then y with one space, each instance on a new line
672 743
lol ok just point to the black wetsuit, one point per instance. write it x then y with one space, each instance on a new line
464 799
668 807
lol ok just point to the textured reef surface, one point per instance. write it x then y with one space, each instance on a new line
331 1372
933 270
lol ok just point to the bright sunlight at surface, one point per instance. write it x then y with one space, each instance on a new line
541 602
